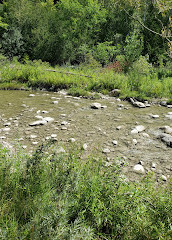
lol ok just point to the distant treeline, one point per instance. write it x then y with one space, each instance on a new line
73 30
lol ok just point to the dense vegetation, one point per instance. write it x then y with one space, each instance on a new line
61 196
131 40
68 30
142 80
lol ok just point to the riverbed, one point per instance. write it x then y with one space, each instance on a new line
107 130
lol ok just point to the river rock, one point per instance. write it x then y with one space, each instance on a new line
38 117
164 178
31 95
72 140
85 146
137 104
166 129
64 123
48 119
32 136
6 124
115 92
163 103
134 141
37 123
137 129
138 168
106 150
96 105
114 142
154 116
6 129
55 102
166 138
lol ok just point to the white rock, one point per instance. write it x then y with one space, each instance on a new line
118 127
164 178
153 165
134 131
38 117
84 147
48 119
139 169
55 102
114 142
96 105
53 135
2 137
145 135
32 136
154 116
31 95
7 124
106 150
34 143
103 106
72 140
64 123
134 141
140 128
37 123
6 129
24 146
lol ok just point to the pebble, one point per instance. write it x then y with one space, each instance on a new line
114 142
164 178
96 105
6 129
134 141
31 95
106 150
154 116
64 123
139 169
55 102
7 124
54 135
72 140
85 146
32 136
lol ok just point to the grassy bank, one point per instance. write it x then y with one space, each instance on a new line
142 80
60 196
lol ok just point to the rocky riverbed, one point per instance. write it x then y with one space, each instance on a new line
109 127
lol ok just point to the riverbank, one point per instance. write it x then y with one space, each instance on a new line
85 80
60 196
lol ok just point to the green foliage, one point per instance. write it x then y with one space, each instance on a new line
105 52
134 47
12 43
142 80
61 196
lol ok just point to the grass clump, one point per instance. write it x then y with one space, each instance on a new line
60 196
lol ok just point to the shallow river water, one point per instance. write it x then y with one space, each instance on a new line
106 130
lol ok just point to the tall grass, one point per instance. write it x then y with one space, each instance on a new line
61 196
138 82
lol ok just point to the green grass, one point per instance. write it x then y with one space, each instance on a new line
135 83
61 196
